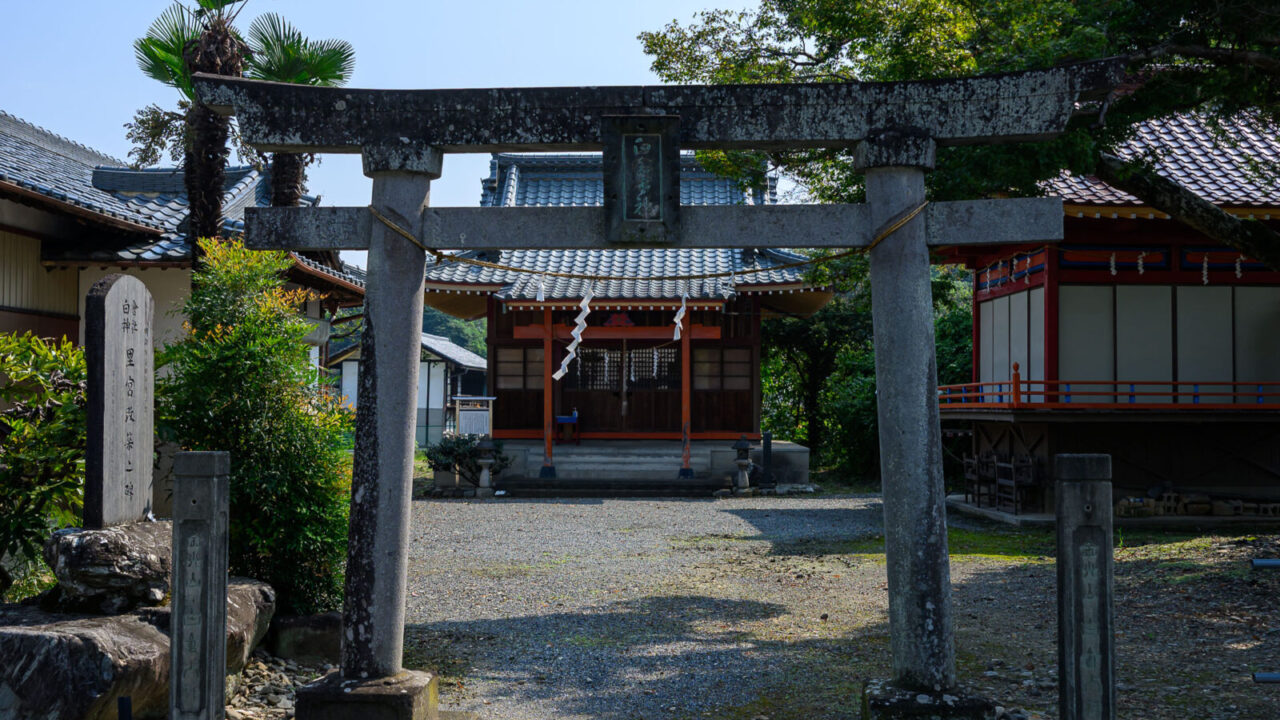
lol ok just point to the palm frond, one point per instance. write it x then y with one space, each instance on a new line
160 52
280 53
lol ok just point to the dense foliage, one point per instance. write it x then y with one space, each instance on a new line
42 445
470 334
818 373
241 380
1220 59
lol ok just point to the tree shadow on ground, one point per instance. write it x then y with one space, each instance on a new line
633 659
803 531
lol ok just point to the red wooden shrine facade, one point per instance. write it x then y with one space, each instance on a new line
629 379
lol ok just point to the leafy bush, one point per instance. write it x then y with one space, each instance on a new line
42 445
241 380
460 453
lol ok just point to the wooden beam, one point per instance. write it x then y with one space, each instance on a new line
548 412
277 117
563 332
686 395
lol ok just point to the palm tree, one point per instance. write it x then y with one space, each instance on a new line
181 42
278 52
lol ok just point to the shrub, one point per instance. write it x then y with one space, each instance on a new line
241 380
42 441
459 452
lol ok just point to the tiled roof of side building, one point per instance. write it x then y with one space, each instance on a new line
576 179
449 350
1186 149
37 160
40 161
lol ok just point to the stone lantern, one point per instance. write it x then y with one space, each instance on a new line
743 461
486 449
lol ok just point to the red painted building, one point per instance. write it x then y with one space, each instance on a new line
633 377
1136 336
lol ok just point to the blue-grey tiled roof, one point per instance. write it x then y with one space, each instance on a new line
451 351
576 179
1186 149
37 160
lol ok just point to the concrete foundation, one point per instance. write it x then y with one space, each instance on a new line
408 695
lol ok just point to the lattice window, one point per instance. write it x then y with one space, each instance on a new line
519 368
653 368
722 369
595 369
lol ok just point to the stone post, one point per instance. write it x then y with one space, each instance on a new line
381 485
910 440
1086 644
198 623
921 640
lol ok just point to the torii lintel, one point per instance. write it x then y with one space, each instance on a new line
1010 107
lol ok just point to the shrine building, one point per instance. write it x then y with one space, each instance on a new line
633 377
1137 337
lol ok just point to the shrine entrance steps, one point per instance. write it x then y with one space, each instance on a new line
637 467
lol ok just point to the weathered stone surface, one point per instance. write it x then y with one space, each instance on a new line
307 639
119 315
201 490
304 118
382 476
110 570
73 667
407 695
949 223
883 701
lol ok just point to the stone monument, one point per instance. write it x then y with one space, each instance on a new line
119 314
1086 640
198 623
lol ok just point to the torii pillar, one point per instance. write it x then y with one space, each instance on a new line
372 678
915 522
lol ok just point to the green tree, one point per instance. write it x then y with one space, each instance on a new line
241 380
470 334
42 445
279 53
1220 59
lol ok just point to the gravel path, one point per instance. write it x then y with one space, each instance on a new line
610 608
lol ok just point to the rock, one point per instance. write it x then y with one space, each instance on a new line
73 667
111 570
307 639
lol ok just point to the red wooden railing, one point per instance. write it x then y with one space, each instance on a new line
1110 395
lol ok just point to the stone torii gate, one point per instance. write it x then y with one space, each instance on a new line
894 129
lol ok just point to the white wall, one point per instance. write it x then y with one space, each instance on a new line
1144 338
1086 334
1011 329
1258 337
350 378
1204 339
26 284
169 289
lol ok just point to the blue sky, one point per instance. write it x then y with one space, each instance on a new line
69 66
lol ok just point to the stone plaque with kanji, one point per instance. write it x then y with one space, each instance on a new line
119 316
641 178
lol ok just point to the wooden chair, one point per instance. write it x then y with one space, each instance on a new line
979 481
1017 484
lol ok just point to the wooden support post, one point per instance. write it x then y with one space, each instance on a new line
1017 385
548 408
686 395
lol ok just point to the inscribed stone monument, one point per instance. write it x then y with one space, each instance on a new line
119 315
198 625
